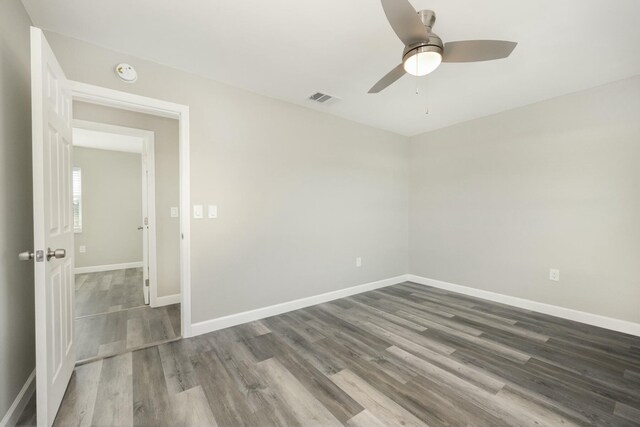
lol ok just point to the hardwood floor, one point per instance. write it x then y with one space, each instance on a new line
108 291
111 317
108 334
403 355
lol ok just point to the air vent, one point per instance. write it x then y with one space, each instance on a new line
323 98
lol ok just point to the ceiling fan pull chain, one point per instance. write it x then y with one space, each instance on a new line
426 97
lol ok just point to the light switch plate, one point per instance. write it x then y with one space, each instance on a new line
197 212
174 212
83 249
213 211
358 262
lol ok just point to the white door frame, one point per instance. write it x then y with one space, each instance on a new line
149 235
142 104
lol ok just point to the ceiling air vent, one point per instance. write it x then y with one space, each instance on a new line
323 98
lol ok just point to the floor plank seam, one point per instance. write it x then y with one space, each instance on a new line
381 358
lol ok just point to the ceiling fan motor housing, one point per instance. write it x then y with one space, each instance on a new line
428 18
433 43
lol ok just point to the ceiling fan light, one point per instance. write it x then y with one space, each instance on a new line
421 62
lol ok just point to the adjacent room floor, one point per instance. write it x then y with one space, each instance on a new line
403 355
108 291
111 317
109 334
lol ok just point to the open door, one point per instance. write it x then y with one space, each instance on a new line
145 226
53 228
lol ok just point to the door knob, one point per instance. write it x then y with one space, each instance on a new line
25 256
57 254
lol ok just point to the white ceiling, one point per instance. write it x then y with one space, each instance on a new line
289 49
107 141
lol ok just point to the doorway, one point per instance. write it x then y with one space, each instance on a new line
133 150
53 253
83 93
118 306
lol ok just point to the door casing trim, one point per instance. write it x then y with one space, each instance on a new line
141 104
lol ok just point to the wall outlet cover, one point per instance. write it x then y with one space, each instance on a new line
212 211
83 249
358 262
174 212
197 212
554 275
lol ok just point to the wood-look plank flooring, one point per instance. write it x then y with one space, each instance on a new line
111 317
108 291
403 355
108 334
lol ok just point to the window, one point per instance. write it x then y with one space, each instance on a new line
77 200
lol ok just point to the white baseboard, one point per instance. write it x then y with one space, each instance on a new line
273 310
553 310
107 267
166 300
10 419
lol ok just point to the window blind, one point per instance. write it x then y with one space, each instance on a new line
77 199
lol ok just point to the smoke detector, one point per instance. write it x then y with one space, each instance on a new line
126 73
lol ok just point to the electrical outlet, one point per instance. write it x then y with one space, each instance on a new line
358 262
174 212
554 275
83 249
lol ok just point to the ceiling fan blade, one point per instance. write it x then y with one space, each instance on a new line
477 50
389 79
405 21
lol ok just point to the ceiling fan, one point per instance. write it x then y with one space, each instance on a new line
424 50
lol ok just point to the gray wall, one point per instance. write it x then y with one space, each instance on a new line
167 183
300 194
496 202
111 207
17 335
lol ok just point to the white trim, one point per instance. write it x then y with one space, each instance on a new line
142 104
149 212
12 416
108 128
106 267
553 310
126 101
147 156
166 300
152 229
105 128
185 224
273 310
106 141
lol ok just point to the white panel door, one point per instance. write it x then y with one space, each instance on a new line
53 228
145 226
